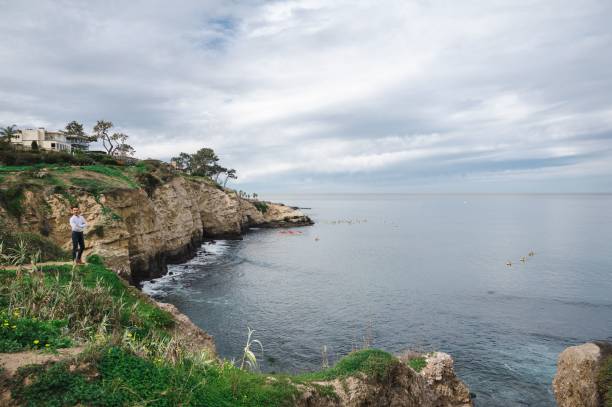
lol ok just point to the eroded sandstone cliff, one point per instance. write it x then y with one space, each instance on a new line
580 381
138 231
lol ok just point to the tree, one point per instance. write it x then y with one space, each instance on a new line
76 135
124 150
217 170
8 133
182 162
114 144
231 173
100 133
74 129
203 161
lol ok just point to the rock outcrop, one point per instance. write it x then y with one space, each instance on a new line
578 369
435 386
138 232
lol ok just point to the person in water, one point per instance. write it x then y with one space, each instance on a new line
78 225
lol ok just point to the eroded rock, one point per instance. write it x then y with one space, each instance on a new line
575 384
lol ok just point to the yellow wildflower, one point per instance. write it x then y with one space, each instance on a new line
36 341
47 345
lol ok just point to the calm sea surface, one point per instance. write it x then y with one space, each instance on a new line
425 272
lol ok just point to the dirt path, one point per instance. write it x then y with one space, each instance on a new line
29 266
10 362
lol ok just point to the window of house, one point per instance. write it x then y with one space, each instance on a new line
52 145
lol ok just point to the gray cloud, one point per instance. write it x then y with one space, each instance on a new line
314 95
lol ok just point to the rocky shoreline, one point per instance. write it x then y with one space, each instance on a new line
138 233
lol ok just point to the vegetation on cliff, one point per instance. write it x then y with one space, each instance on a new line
604 381
131 356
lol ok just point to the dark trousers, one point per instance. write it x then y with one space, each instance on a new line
78 245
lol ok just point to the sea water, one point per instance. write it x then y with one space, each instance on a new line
422 272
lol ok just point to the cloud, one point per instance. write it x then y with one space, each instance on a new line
361 95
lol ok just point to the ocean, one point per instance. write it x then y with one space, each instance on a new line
421 272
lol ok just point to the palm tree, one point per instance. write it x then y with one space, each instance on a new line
8 132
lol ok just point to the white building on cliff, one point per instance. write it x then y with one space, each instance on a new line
43 139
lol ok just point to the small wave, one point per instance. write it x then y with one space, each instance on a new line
206 254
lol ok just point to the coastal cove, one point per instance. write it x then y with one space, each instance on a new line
371 267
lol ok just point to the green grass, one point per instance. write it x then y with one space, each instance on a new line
417 363
113 172
125 379
116 376
21 168
90 299
93 186
604 382
374 363
18 333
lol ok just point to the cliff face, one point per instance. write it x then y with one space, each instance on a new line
137 233
578 382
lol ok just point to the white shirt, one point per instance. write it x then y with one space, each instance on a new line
77 223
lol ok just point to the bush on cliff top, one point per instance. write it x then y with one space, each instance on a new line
374 363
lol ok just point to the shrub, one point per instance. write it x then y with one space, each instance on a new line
11 199
33 244
95 259
149 182
93 186
261 206
417 363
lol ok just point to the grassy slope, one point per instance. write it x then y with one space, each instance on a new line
132 359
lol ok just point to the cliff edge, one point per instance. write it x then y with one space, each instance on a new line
137 227
584 376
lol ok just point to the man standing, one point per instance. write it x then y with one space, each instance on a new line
78 224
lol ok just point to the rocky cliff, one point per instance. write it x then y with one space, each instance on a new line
434 386
584 376
139 231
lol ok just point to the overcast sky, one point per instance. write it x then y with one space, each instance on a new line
340 96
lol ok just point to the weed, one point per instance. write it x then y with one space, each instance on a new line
261 206
95 259
20 333
248 356
28 245
11 199
93 186
87 298
113 172
417 363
